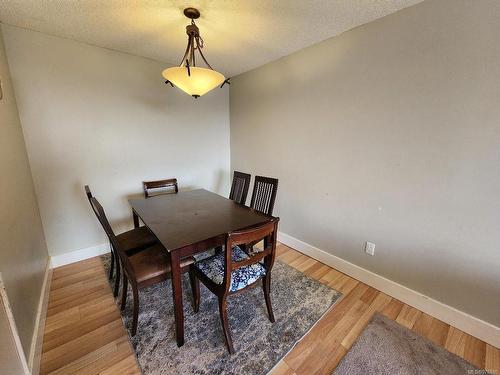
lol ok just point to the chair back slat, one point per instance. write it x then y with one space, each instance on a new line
239 187
250 235
254 258
266 232
158 187
264 194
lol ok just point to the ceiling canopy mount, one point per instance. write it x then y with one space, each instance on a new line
192 13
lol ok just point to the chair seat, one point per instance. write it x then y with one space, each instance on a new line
135 240
153 262
213 268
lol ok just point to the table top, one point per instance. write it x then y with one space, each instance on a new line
186 218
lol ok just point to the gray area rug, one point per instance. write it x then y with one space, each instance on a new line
386 347
298 302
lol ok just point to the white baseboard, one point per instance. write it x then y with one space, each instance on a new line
20 362
78 255
465 322
37 339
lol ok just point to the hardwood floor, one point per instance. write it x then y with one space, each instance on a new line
325 345
84 333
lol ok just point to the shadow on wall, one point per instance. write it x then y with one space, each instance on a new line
188 188
220 178
125 222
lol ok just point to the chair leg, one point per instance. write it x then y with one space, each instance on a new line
195 287
118 273
124 292
225 323
112 265
135 317
266 286
136 219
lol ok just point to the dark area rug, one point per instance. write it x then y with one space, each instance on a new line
386 347
298 302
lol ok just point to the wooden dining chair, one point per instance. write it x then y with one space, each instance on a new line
142 269
264 194
158 187
233 270
131 242
239 187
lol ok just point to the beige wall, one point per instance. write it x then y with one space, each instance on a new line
104 118
389 133
23 253
12 358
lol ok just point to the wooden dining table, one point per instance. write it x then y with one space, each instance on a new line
188 223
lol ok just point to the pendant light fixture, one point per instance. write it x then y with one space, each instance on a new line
190 78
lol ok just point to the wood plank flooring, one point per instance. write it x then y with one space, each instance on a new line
84 333
323 347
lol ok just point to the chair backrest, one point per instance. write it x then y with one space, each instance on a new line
239 187
88 192
168 186
89 197
103 220
264 194
267 232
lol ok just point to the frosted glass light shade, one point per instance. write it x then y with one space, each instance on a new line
198 83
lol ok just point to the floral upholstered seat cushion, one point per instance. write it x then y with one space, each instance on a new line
213 268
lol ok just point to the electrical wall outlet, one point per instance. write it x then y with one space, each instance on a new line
370 248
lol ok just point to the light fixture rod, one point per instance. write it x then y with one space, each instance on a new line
193 58
201 53
187 51
193 37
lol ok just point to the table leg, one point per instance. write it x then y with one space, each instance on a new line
136 219
175 263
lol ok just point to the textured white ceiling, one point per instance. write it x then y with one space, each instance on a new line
239 35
